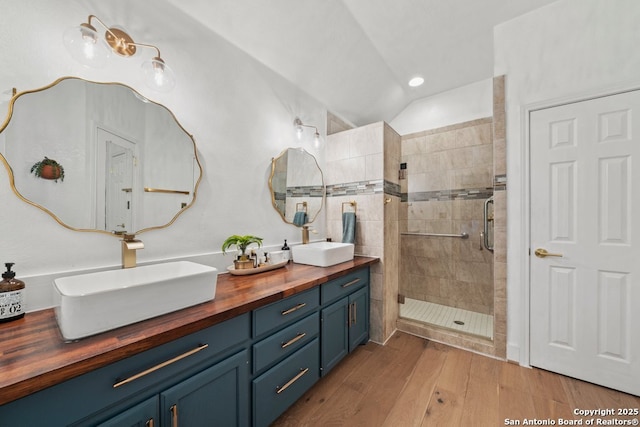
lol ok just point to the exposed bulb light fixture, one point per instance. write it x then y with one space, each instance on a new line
416 81
299 127
87 47
297 124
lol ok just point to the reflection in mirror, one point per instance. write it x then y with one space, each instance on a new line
129 165
297 186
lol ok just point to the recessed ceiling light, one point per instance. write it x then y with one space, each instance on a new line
416 81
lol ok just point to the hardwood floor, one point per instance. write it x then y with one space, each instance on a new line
415 382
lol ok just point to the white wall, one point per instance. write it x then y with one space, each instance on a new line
568 49
32 140
470 102
240 113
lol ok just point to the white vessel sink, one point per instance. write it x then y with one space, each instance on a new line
88 304
322 254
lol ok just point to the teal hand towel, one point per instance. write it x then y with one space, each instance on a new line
348 227
300 218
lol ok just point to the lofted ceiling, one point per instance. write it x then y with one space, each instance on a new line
356 56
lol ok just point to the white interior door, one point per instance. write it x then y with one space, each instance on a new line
585 206
119 188
116 183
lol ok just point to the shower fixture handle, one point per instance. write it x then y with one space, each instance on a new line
487 233
542 253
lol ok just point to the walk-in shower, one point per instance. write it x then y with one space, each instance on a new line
446 243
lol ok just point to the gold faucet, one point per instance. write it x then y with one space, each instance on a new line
305 234
129 247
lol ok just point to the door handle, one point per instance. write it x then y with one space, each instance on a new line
487 219
542 253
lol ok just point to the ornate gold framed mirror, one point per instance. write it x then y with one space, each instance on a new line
128 164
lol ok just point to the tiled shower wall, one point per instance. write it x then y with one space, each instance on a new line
362 166
449 176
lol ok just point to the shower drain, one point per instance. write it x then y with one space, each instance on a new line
458 322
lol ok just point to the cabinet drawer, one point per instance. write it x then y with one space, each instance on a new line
285 311
342 286
282 385
285 342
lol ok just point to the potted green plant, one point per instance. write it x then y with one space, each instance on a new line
241 242
48 169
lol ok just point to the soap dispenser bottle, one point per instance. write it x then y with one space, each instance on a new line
286 251
11 296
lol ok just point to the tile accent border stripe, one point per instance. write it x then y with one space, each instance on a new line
387 187
445 195
364 187
391 188
500 182
305 191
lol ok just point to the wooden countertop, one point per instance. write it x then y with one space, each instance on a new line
34 356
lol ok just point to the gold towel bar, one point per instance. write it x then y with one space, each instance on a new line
162 190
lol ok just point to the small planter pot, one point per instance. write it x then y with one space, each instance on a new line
50 172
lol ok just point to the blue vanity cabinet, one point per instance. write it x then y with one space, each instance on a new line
344 317
359 318
216 396
286 360
246 370
219 395
335 336
212 354
300 337
279 387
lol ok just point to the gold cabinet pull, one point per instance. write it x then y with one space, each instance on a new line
294 340
292 380
149 422
174 415
353 282
292 309
160 366
355 313
542 253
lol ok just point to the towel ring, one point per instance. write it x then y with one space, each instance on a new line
352 203
301 207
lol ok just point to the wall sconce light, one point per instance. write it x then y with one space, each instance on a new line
87 47
299 127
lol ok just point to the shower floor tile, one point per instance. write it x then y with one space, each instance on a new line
448 317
